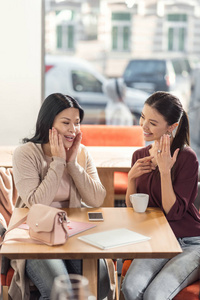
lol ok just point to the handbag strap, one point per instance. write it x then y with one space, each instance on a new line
18 239
17 224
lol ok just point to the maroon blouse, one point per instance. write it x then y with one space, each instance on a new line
183 217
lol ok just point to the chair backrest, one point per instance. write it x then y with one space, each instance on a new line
8 193
109 135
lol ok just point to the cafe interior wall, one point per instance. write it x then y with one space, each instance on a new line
21 68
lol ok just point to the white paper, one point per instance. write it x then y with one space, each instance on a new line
113 238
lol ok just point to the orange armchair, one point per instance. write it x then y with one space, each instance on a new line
108 135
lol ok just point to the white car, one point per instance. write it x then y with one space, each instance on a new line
79 79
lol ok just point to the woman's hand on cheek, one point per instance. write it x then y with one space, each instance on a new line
73 150
56 144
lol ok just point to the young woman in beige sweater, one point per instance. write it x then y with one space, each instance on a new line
55 169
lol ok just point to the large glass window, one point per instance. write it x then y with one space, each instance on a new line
177 24
121 31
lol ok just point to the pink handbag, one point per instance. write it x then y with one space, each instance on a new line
47 225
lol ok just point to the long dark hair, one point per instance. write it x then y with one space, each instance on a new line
170 107
51 107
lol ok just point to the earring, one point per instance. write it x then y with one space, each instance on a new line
174 132
169 134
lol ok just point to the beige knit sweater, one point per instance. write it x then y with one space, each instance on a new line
36 183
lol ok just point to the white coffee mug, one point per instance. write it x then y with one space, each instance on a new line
139 202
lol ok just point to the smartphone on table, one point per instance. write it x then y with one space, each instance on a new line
95 216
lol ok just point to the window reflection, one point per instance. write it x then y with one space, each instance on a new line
85 82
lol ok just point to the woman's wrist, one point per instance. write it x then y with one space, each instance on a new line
59 159
165 172
131 179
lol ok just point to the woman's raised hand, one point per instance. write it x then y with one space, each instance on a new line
141 166
72 152
56 144
163 155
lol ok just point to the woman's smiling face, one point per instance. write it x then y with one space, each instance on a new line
153 124
67 123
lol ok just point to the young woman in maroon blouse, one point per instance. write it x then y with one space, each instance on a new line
167 170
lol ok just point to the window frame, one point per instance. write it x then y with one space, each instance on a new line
120 39
176 32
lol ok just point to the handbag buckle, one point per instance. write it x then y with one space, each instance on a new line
62 218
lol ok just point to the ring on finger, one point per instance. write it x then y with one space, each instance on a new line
159 151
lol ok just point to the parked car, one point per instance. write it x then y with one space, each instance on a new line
167 74
78 78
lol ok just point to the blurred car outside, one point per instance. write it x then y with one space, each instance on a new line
161 74
79 79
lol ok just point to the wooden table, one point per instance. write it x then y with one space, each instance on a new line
152 223
109 160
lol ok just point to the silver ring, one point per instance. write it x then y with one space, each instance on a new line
159 151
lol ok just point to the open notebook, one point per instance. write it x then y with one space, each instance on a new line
113 238
74 227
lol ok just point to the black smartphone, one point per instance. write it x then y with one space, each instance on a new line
95 216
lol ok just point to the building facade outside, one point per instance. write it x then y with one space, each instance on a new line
111 32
